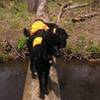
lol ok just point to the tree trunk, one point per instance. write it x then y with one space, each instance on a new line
42 10
39 7
96 4
4 3
32 5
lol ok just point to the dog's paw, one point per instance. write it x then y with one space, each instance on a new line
42 96
46 91
34 76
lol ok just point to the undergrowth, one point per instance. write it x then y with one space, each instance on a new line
16 16
21 43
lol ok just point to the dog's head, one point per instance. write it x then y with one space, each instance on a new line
57 41
61 36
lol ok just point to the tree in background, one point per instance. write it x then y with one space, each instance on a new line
96 4
39 7
3 3
32 5
42 10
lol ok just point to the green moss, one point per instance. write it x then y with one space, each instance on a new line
21 43
93 48
83 46
5 57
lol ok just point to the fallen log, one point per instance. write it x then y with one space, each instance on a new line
84 17
68 6
78 5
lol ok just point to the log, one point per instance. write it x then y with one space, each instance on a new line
84 17
78 5
31 89
68 6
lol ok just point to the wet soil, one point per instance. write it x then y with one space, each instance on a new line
78 80
12 78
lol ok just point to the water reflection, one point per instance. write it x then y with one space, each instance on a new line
78 80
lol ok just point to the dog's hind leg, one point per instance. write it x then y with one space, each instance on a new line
41 84
46 81
32 67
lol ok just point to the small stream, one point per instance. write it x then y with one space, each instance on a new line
12 78
78 80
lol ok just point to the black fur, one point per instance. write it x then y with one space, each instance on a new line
42 54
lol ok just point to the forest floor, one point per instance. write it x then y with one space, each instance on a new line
84 36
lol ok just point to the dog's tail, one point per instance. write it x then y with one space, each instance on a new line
26 32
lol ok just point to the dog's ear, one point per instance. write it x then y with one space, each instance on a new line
26 32
62 32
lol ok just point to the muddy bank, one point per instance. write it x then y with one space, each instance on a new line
12 78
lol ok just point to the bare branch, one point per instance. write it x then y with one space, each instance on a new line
61 12
78 5
68 6
84 17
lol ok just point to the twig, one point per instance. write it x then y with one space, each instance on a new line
78 5
69 56
14 49
61 12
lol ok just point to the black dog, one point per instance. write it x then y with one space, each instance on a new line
52 41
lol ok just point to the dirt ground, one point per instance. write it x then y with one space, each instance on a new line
12 27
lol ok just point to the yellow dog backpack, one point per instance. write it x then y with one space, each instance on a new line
38 25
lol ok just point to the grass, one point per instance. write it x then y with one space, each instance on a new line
93 48
12 22
5 57
78 46
15 18
21 43
83 46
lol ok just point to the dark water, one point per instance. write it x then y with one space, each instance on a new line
79 80
12 78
